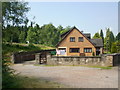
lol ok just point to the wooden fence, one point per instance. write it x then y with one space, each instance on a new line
21 57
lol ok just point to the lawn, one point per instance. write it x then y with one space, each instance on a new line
20 47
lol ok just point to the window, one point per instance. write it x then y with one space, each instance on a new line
74 50
80 39
72 39
87 50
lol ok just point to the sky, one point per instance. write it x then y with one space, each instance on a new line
89 17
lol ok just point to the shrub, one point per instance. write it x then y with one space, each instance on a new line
93 53
114 48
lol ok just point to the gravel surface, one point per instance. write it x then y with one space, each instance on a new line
72 76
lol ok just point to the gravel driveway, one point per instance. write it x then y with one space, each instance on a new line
72 76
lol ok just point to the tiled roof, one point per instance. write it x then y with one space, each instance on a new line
97 42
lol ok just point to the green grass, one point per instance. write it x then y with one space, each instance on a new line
32 82
76 65
20 47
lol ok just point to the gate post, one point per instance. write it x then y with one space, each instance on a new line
13 58
48 58
37 57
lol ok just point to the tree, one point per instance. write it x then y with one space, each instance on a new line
11 34
101 35
109 39
65 29
118 36
31 35
22 37
106 40
14 14
96 36
118 46
112 38
59 30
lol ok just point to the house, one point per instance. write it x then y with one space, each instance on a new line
76 43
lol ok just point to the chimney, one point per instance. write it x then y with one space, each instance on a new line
81 31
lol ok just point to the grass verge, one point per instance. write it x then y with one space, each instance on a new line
76 65
31 82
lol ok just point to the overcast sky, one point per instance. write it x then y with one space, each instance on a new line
86 16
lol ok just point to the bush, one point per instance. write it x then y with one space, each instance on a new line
53 52
114 48
93 53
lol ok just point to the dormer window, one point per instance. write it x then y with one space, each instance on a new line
80 39
72 39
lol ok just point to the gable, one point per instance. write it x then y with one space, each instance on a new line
74 32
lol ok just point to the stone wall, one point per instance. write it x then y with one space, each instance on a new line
80 60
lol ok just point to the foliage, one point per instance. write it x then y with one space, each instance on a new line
8 77
11 34
22 37
93 53
47 34
65 29
101 35
109 39
118 36
96 36
14 13
113 48
118 46
31 35
53 52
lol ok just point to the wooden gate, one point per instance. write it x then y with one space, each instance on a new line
43 58
116 61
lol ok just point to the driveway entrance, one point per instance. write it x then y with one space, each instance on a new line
73 76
